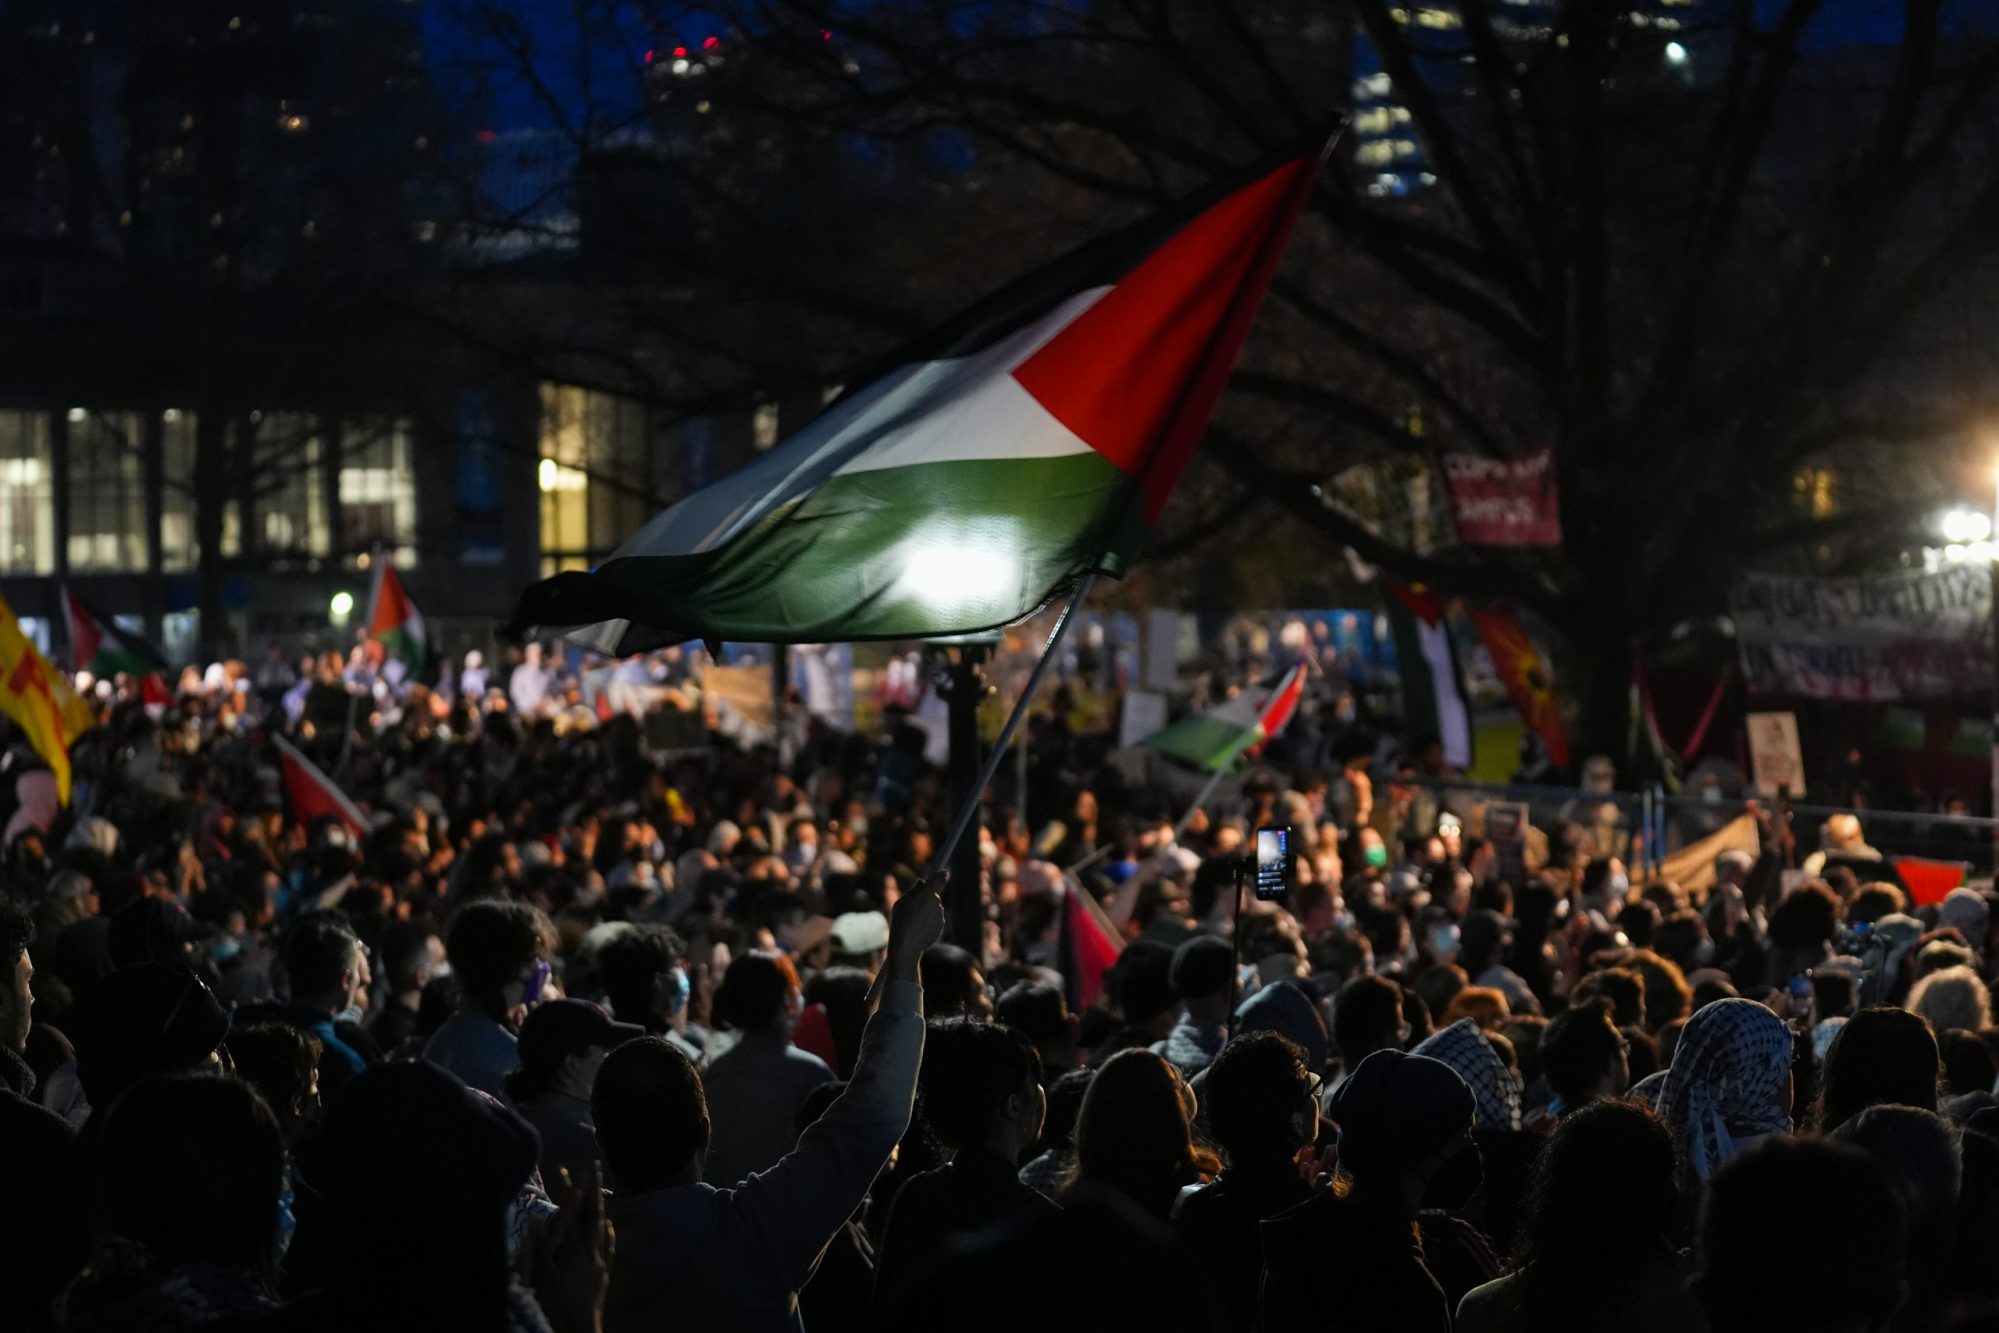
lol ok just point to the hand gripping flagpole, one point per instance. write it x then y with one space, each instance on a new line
996 752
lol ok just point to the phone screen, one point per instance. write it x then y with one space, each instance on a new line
1273 847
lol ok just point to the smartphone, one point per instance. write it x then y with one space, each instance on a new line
1273 858
1801 994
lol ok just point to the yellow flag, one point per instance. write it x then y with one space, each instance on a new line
39 700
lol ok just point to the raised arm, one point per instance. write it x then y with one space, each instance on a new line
792 1211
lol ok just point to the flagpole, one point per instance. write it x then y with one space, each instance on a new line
1214 781
996 754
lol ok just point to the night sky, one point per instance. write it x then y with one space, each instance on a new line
571 65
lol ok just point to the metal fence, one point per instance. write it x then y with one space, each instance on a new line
1647 825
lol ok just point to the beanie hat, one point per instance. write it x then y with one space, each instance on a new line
1203 966
1144 975
1396 1109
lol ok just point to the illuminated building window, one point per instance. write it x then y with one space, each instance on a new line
593 474
107 492
378 491
178 549
288 462
27 495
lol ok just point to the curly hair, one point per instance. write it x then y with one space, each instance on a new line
1954 998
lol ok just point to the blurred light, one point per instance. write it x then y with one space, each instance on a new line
76 415
553 476
1676 54
1979 553
680 66
971 573
1966 525
711 43
679 53
342 605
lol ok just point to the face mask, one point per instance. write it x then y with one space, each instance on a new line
1456 1180
536 983
225 948
1616 886
678 990
1712 795
1704 954
1376 856
353 1014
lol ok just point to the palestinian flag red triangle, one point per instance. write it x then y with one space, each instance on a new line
1007 454
311 793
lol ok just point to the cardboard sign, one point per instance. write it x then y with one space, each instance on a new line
1774 756
1506 830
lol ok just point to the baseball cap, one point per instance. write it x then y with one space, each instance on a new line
559 1029
860 932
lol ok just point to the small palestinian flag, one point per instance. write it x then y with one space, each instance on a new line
98 646
1027 443
1089 947
1433 695
312 795
1213 739
393 620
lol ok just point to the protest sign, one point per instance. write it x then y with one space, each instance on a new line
1504 501
1889 637
1143 714
1774 756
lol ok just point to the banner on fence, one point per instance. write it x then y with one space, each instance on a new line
1886 637
1504 501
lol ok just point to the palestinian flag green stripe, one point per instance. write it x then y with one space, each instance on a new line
872 555
114 659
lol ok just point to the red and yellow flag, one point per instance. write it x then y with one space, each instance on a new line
1525 674
38 699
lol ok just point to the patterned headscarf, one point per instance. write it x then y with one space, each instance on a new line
1464 1048
1728 1081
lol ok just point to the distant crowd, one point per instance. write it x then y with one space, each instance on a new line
575 1032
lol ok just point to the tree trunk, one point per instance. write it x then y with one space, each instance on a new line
1600 681
211 491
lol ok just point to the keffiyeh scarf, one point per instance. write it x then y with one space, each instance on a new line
1464 1048
1728 1081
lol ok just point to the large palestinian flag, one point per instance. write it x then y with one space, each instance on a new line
1433 696
1025 444
98 646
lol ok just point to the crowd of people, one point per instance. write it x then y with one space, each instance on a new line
580 1035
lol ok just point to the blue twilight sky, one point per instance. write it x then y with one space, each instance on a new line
569 64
